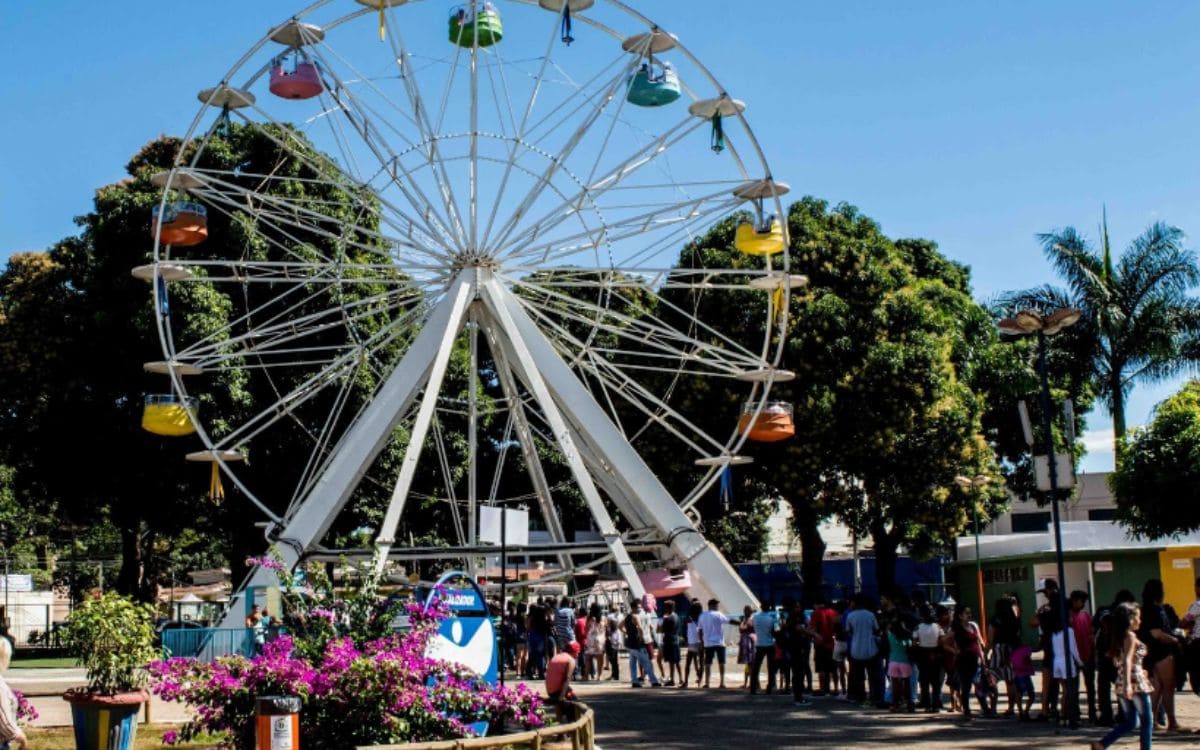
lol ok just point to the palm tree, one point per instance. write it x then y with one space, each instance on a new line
1140 323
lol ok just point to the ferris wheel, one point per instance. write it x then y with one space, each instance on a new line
509 182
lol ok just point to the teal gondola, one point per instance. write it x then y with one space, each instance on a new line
654 85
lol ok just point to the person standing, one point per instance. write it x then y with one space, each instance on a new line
746 641
1161 646
863 631
1046 620
694 646
712 634
1081 624
900 665
669 628
1127 653
11 734
1191 654
1067 666
594 643
564 624
798 632
635 644
612 646
1004 635
1106 670
764 625
824 623
929 649
969 645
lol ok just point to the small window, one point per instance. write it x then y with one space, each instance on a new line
1102 514
1030 523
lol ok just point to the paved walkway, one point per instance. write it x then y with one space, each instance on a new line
694 719
674 719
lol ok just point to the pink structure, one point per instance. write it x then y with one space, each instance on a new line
304 82
666 582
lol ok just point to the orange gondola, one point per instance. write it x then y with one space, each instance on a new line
773 423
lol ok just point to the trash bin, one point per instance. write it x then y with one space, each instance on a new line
278 726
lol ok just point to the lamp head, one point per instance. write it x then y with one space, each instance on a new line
1060 319
1029 321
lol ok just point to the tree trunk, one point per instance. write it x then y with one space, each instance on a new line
812 557
130 577
886 544
1118 412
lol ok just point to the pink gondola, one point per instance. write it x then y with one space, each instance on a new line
304 82
665 583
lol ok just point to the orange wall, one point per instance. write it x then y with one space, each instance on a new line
1179 582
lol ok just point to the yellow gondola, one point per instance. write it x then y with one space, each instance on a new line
749 240
169 415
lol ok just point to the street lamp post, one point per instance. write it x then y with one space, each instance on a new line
969 484
1025 323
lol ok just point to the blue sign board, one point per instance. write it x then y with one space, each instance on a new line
467 637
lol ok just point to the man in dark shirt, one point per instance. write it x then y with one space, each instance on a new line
635 644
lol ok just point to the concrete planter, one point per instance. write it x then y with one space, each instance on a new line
576 734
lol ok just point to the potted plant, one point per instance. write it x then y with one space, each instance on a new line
113 638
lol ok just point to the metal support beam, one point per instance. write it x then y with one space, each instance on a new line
412 453
363 442
541 488
516 349
589 420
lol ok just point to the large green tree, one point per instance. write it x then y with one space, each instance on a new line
1157 481
77 328
885 341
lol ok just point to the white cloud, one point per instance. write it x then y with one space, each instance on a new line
1098 441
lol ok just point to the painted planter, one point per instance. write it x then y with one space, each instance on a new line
105 722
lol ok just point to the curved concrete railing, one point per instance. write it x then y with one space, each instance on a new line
580 733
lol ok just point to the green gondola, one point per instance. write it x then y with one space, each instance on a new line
654 85
476 24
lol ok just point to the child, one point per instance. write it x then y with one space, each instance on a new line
1065 647
900 665
841 646
986 692
1022 664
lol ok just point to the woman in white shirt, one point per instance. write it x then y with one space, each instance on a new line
10 732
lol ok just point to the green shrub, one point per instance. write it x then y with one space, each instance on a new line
113 638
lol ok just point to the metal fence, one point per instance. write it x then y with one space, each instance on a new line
207 644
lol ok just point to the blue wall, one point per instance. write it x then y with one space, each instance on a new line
772 582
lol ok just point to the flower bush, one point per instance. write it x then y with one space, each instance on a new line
25 710
354 689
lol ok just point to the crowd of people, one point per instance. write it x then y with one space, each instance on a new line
1124 663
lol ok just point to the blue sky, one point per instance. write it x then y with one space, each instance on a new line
974 124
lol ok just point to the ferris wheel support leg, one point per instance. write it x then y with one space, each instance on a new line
537 476
643 495
365 439
412 453
515 350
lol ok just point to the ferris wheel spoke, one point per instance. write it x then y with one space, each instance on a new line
519 133
293 220
358 113
647 334
678 217
275 327
321 446
596 188
598 104
429 135
635 394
